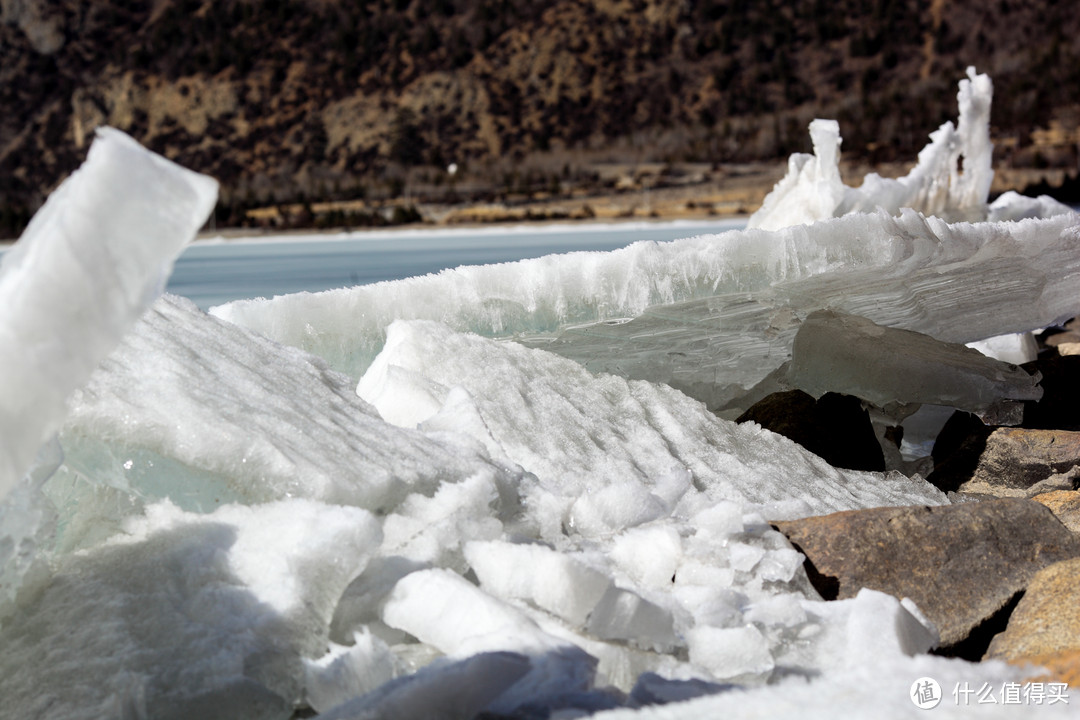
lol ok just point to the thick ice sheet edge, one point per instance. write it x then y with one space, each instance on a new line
960 282
347 327
89 264
837 352
951 180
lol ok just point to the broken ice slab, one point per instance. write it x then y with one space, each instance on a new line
444 689
836 352
204 412
446 611
89 264
626 616
958 283
548 579
605 454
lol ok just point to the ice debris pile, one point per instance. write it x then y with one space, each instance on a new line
411 508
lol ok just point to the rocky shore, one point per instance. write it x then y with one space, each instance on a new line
998 571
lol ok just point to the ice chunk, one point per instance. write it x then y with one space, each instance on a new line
433 530
362 602
745 557
449 690
778 610
187 615
951 180
446 611
835 352
649 555
812 188
1012 205
205 412
1015 348
554 581
730 652
347 672
610 454
626 616
89 264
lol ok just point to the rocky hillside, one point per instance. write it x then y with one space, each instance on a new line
287 100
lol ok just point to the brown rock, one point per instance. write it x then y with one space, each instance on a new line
961 564
1045 627
1065 504
835 427
1011 462
957 450
1069 337
1060 667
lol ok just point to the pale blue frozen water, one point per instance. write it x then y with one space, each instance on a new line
212 273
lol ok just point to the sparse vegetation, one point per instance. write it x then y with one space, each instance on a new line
283 99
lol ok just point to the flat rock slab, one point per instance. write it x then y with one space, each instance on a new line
1044 629
1012 462
961 564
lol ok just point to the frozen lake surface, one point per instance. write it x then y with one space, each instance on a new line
215 272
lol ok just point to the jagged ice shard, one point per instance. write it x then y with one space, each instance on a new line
412 513
91 261
834 352
951 180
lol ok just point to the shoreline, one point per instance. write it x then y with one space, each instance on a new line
732 194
